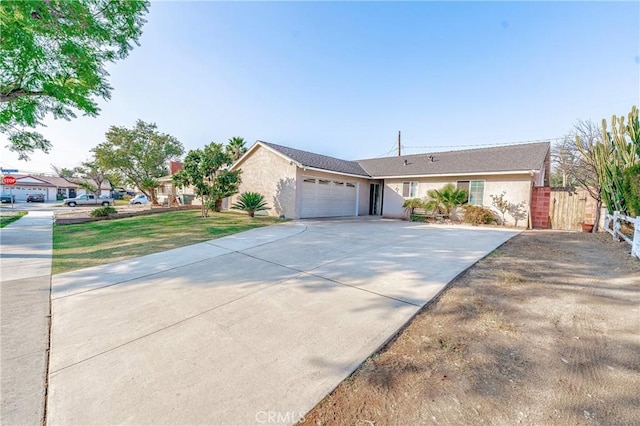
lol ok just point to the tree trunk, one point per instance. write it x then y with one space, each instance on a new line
218 205
154 200
597 219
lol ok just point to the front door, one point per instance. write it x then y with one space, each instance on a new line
374 199
72 193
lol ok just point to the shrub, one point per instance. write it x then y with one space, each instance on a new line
445 199
477 215
411 204
250 202
103 211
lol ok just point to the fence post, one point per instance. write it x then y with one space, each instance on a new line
607 220
616 225
635 246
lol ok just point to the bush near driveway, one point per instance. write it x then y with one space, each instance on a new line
96 243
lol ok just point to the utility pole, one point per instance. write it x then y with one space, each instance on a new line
399 153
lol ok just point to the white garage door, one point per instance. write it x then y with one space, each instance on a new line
21 192
327 198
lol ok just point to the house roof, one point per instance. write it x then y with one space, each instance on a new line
45 181
522 158
503 159
307 159
57 181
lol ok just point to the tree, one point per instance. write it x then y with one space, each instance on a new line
140 155
207 170
92 176
54 55
565 159
64 172
236 147
446 198
587 135
251 202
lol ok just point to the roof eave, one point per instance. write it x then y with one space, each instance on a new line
303 167
512 172
265 146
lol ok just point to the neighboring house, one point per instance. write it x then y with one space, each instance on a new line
300 184
105 186
168 191
50 186
46 185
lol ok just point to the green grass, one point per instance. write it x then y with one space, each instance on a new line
96 243
6 219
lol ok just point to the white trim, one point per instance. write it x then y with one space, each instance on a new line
255 147
517 172
305 168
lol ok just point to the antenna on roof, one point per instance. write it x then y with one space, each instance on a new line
399 143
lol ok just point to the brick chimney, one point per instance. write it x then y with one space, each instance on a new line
175 167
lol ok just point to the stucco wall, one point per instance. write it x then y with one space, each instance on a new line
361 183
517 187
271 175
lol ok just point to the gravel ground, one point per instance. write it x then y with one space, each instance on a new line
542 331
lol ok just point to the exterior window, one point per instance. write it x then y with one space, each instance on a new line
323 182
464 184
476 192
309 180
409 189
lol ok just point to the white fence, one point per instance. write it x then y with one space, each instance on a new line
612 224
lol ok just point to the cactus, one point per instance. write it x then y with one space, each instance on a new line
618 150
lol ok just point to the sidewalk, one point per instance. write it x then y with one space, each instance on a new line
25 281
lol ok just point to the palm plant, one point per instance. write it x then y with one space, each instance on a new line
445 198
411 204
236 147
149 185
251 202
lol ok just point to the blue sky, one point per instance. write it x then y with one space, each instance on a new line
342 78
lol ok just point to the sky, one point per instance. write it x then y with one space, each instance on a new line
342 78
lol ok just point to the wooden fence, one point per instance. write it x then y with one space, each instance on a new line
613 225
570 207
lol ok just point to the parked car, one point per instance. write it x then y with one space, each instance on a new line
88 200
35 198
8 198
139 199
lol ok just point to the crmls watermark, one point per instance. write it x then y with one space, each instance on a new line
279 417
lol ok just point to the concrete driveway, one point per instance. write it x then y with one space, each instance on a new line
253 328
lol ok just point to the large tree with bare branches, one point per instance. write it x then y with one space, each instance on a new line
53 55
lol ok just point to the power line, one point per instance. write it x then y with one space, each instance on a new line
484 144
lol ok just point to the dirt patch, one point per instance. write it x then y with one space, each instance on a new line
542 331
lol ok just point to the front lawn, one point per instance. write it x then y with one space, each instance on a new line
7 218
96 243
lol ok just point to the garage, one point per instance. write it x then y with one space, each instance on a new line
323 197
21 192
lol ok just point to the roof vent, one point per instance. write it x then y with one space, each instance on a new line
406 162
431 158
